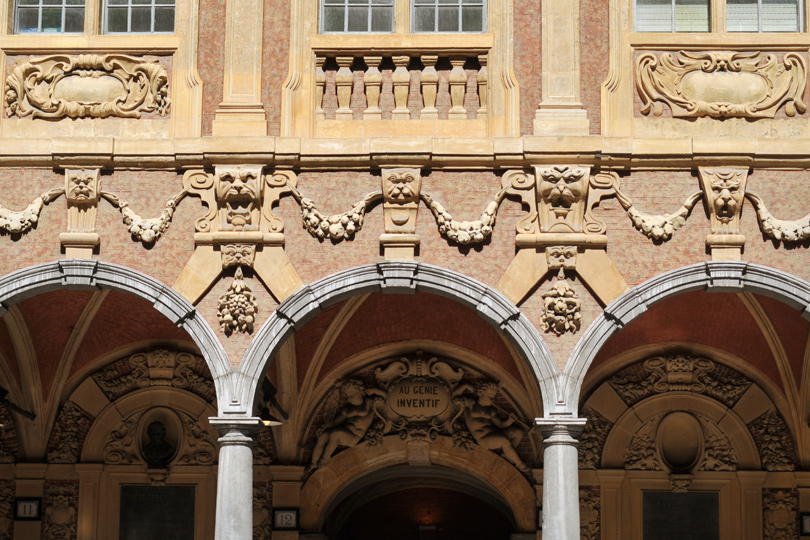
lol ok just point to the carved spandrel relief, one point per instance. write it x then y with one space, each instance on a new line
590 505
721 84
779 519
679 373
773 442
160 367
592 440
641 454
262 501
68 434
418 398
7 492
87 86
718 454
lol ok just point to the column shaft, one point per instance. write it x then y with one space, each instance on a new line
560 478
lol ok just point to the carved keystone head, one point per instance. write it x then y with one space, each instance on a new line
238 197
82 186
562 191
238 255
724 190
401 185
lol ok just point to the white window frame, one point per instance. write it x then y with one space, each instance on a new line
713 6
64 5
129 5
458 4
399 7
346 5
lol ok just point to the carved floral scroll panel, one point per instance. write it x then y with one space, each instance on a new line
721 84
87 86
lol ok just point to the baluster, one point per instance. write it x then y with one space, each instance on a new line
373 80
458 87
482 86
430 85
344 80
320 87
402 83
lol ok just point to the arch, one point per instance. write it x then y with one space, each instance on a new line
93 274
327 484
714 276
393 278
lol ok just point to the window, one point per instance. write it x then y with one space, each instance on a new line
740 15
32 16
448 16
357 16
139 16
426 16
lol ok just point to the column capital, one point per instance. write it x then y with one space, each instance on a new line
236 430
560 430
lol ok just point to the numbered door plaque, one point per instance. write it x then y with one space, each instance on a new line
285 519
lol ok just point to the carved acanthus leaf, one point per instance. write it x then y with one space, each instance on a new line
592 439
797 230
21 221
68 434
773 441
465 232
640 454
87 86
146 230
754 86
658 228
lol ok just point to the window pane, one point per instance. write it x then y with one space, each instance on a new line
164 19
472 19
691 15
448 2
164 2
448 19
333 19
52 2
75 2
382 19
117 20
141 20
741 16
74 19
424 2
116 2
358 19
28 3
780 16
27 20
653 16
51 19
424 19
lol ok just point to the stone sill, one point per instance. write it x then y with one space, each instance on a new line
444 153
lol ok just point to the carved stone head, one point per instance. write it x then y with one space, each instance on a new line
238 194
562 191
727 194
401 185
82 186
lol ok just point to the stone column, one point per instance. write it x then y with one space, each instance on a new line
560 477
560 111
234 518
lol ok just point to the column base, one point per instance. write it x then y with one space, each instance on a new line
561 120
239 121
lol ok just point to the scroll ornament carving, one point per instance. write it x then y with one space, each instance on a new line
592 439
60 512
237 308
641 454
418 398
589 513
773 441
160 367
262 500
779 514
561 309
721 84
122 444
63 86
680 373
68 434
197 447
7 492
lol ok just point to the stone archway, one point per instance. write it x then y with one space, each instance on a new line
91 274
394 278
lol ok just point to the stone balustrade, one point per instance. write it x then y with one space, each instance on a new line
401 87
